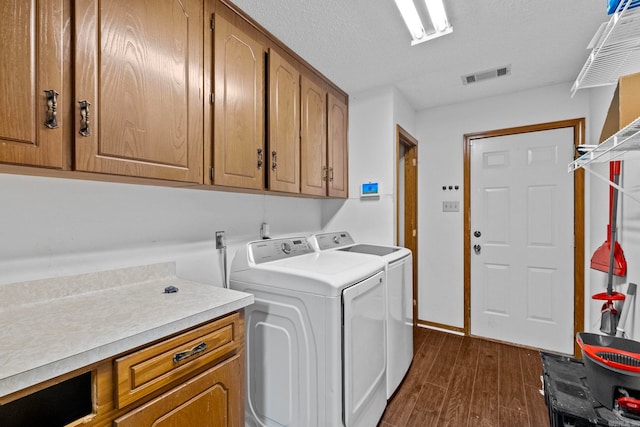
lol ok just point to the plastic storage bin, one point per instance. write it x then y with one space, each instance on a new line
612 5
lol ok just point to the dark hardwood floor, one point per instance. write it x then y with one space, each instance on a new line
462 381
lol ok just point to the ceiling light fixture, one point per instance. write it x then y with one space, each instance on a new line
438 15
411 17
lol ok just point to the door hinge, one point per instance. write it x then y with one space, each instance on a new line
211 98
211 24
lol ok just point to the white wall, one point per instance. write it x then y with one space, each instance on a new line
52 227
372 157
440 132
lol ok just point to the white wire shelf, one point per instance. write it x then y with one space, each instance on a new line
616 50
625 140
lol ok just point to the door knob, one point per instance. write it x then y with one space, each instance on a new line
477 233
477 248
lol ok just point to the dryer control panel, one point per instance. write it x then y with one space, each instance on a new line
333 240
275 249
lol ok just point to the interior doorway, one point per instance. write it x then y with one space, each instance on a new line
539 155
407 201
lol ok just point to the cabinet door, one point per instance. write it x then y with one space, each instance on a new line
31 48
139 68
212 399
313 148
284 125
239 156
337 146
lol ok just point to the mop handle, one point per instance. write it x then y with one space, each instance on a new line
615 170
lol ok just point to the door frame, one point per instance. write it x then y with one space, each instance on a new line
578 126
405 139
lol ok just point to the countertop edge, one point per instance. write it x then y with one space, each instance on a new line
49 371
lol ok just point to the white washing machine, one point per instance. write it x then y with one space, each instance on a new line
315 335
399 293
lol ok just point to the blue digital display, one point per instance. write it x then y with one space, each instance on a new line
370 188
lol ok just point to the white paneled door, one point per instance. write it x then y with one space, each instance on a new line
522 281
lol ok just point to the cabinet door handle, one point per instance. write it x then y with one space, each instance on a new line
51 120
274 160
324 173
331 174
180 356
260 160
84 118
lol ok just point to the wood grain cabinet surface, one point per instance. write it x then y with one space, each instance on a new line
32 71
211 399
239 157
324 143
195 378
313 161
151 368
337 146
165 90
284 124
139 68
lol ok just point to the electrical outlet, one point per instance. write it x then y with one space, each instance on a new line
450 206
220 243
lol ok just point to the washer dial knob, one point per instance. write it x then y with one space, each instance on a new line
286 248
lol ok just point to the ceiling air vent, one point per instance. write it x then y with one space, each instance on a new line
486 75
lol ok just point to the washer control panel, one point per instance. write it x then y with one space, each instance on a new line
275 249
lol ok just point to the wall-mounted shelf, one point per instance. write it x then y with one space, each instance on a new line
615 50
613 148
625 140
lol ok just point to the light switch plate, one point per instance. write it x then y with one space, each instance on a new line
451 206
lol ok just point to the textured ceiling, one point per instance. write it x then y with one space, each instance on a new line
363 44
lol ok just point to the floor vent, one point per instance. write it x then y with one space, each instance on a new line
486 75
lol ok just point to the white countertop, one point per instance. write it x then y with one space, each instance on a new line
55 326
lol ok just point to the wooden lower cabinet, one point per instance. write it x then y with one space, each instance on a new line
211 399
195 378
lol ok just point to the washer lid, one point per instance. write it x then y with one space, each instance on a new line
371 249
321 273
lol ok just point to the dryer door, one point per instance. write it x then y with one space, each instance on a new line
364 352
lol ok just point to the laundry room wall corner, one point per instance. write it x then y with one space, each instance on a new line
372 119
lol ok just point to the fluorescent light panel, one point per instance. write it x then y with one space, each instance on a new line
438 15
412 19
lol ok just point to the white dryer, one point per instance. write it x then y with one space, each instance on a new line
315 335
399 295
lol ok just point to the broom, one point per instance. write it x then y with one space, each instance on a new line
610 255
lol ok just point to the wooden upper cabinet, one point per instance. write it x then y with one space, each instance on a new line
284 124
337 146
239 157
32 48
139 85
313 148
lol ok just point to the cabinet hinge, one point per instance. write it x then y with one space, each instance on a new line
211 98
211 24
